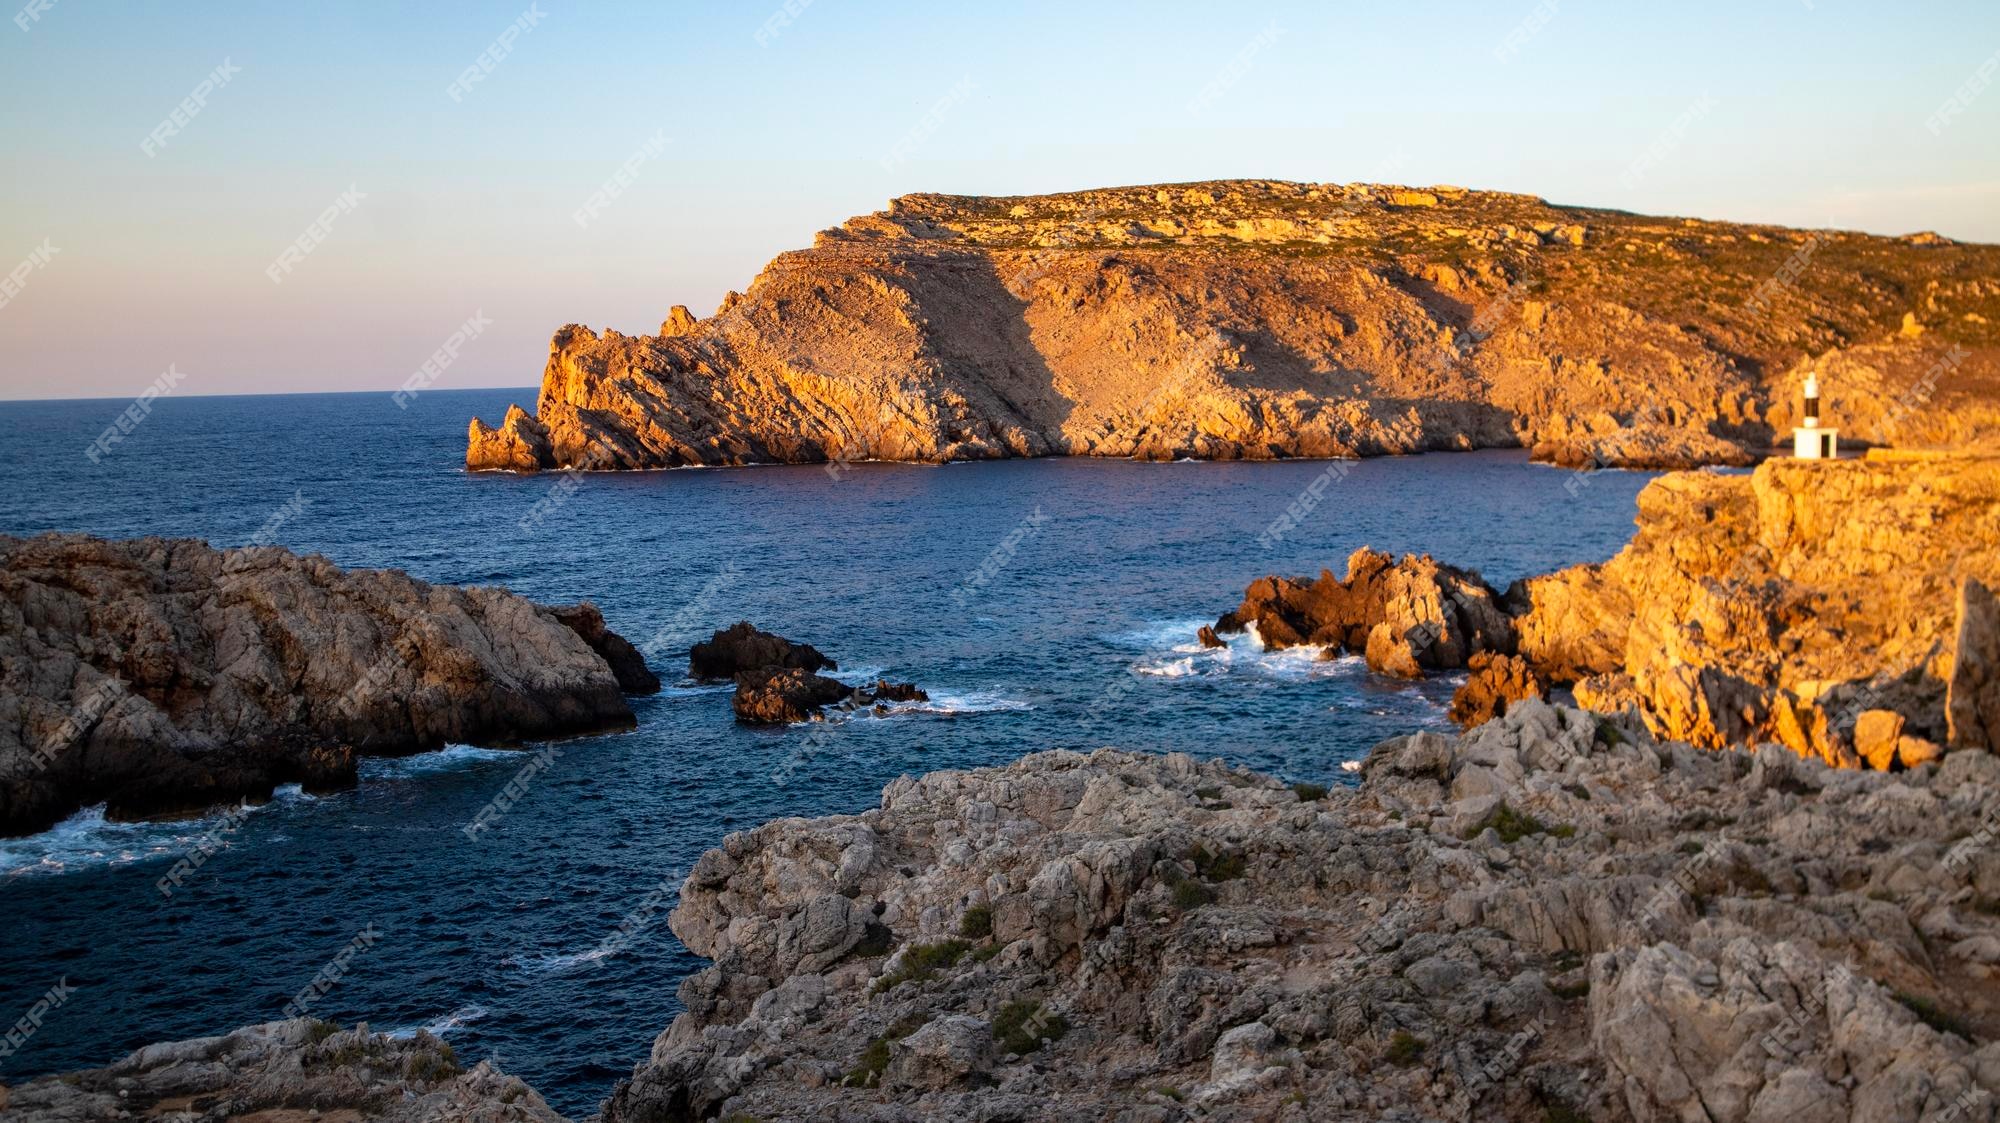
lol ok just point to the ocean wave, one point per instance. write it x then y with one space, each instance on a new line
551 963
951 704
424 764
689 688
87 840
448 1023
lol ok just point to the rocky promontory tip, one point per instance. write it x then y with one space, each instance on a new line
1256 319
161 676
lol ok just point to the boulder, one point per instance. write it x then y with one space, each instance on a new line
742 647
784 695
954 1051
1496 681
1403 616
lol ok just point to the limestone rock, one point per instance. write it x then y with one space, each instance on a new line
1496 681
1403 616
743 647
783 695
1407 327
161 676
520 444
283 1071
634 677
679 322
1638 930
1973 705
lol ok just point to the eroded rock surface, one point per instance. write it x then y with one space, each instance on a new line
284 1072
1552 913
162 675
1785 604
1259 319
1403 616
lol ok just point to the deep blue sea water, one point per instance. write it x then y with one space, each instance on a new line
501 944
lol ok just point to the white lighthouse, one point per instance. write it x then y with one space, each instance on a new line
1809 440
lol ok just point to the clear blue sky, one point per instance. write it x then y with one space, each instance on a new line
1818 118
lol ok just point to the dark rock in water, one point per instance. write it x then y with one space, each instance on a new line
634 677
272 1072
783 695
886 691
1403 616
164 676
1208 637
742 647
1496 682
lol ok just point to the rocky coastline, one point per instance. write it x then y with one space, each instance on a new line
1256 319
1842 609
163 676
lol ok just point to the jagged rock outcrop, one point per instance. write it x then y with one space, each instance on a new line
1785 604
743 647
162 675
1259 319
1496 682
1403 616
1551 916
775 683
627 664
284 1072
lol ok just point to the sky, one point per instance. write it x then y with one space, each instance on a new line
612 160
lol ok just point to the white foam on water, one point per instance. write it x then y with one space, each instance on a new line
1350 766
548 963
448 1023
425 764
952 704
87 840
689 688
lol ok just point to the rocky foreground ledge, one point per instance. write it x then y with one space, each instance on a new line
1255 319
162 675
284 1072
1554 916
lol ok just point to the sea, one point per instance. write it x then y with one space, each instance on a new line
1042 604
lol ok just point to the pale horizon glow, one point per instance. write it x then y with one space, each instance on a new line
743 129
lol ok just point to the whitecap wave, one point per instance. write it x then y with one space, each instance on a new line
549 963
950 704
448 1023
689 688
424 764
88 839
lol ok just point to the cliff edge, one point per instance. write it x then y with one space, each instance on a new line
1260 319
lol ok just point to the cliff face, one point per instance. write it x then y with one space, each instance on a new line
163 675
1536 920
1258 319
1788 604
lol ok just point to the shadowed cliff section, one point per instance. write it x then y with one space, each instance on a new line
1257 319
162 676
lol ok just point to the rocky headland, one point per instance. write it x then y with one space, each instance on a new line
162 676
1261 319
1840 608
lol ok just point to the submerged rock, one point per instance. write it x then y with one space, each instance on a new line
162 676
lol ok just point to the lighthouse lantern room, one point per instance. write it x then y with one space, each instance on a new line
1809 440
